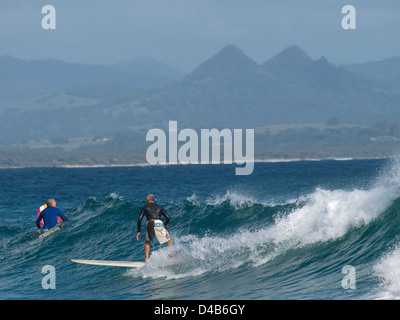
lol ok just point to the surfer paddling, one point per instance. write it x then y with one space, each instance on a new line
40 210
154 225
50 216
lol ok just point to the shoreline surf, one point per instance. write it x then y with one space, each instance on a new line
145 164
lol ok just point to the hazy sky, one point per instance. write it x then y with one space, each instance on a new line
184 33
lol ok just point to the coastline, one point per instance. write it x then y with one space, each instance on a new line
145 164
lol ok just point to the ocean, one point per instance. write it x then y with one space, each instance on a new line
291 230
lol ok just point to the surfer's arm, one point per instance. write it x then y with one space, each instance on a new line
166 215
139 221
62 216
38 214
40 217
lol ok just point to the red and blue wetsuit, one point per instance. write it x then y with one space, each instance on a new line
50 216
40 210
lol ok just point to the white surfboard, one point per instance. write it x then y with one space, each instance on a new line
126 264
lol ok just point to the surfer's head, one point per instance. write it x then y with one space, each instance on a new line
51 202
150 198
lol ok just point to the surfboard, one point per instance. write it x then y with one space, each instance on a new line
49 232
126 264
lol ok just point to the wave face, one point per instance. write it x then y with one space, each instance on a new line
288 231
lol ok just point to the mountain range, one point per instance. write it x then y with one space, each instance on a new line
20 78
231 89
41 99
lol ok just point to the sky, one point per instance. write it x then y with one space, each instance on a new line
184 33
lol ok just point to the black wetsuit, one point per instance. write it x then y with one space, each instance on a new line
152 211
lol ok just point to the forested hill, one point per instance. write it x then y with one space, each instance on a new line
47 98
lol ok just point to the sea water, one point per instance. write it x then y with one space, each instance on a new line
287 231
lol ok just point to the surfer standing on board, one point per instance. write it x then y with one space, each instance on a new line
154 225
50 216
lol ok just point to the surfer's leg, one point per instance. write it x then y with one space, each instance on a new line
147 250
149 238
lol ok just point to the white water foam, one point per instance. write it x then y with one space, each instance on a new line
388 271
235 199
328 215
324 215
194 200
239 200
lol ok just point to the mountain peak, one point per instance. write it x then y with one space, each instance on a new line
229 59
291 59
231 51
294 52
323 60
230 56
322 65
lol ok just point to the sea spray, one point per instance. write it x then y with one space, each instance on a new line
329 214
319 217
388 271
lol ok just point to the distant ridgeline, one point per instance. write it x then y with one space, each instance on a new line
41 100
